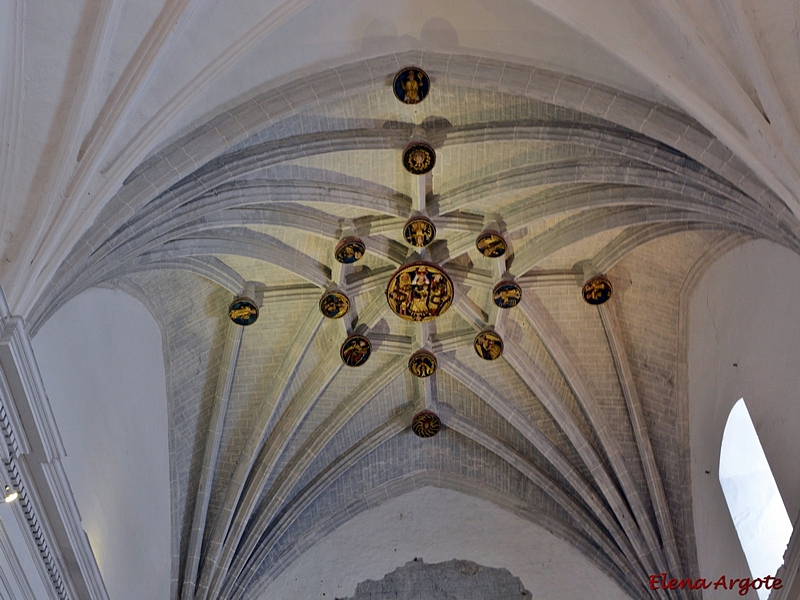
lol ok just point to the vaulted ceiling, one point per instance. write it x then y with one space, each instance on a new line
177 150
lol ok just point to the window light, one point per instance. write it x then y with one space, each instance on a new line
753 498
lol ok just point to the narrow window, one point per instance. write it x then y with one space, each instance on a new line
754 501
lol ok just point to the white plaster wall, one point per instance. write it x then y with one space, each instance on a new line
438 525
103 367
327 32
745 312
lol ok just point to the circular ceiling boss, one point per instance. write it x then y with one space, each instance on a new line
597 290
419 158
422 363
426 424
411 85
507 294
349 250
355 350
419 291
419 231
243 311
334 304
491 244
488 345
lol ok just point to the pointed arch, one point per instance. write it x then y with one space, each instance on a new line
754 501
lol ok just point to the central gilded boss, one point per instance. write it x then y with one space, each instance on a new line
419 291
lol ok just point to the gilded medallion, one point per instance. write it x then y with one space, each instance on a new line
419 158
411 85
426 424
419 291
349 250
243 311
597 290
334 304
491 244
422 363
419 231
355 350
488 345
507 294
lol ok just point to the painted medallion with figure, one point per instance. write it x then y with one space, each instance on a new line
355 350
422 363
597 290
491 244
334 304
411 85
488 345
419 291
419 231
349 250
243 311
507 294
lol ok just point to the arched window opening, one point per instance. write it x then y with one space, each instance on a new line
753 498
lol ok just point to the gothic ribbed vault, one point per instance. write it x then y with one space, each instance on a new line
582 426
571 424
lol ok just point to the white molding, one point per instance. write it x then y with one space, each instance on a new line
71 518
16 442
31 450
16 572
16 356
39 531
12 104
5 311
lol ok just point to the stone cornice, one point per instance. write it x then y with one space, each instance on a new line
14 575
26 387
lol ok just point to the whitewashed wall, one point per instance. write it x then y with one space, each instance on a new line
103 367
745 312
438 525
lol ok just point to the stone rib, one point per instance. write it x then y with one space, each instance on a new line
633 237
283 379
235 515
593 222
557 345
536 381
472 431
302 500
230 357
299 464
628 384
545 447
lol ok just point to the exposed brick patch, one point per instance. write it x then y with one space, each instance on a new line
452 580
